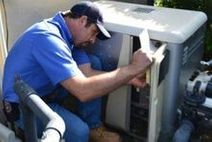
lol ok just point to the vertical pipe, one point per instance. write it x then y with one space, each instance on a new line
183 133
3 35
171 95
32 105
30 129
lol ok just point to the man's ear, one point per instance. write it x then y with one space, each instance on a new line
83 20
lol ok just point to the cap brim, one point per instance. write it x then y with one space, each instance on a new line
103 34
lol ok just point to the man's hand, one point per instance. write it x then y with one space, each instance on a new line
141 61
139 81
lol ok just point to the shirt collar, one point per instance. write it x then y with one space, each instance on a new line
59 21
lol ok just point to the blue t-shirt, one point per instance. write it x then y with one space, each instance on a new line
43 56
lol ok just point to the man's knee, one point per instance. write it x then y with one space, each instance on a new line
77 134
95 62
82 131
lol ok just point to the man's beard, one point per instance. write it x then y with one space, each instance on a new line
83 45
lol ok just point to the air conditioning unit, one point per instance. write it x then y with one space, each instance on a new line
175 37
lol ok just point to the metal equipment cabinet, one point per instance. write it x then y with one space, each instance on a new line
178 37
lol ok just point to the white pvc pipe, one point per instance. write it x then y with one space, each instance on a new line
6 135
208 103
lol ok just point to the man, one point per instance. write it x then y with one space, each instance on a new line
47 56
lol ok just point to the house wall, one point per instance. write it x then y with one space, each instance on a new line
23 13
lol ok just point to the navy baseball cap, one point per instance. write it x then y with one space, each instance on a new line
93 13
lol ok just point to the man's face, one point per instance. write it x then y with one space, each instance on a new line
87 35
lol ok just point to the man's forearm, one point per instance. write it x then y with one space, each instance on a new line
88 71
98 85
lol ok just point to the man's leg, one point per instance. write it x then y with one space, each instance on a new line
76 130
90 111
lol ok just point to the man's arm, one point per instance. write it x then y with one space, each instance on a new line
138 81
88 71
86 88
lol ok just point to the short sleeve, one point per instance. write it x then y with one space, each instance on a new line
55 57
80 56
